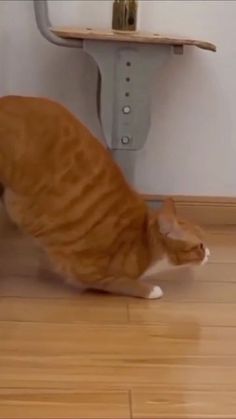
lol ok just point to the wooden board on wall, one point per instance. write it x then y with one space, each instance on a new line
202 209
128 36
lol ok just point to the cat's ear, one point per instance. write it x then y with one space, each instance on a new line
165 216
167 221
168 207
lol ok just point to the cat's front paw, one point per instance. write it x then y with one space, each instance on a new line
156 292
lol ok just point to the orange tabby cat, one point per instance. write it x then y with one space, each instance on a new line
62 187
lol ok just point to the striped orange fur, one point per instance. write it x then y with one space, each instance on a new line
63 187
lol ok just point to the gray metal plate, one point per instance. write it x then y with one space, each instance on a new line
127 72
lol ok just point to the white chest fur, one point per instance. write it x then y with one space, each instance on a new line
162 265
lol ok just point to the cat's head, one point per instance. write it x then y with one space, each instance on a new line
182 241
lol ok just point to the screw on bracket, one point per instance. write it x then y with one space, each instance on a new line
125 140
126 109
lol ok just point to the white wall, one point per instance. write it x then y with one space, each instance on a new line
191 148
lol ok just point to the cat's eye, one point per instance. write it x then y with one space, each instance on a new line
196 248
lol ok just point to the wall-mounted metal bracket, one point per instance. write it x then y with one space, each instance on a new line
127 64
126 71
44 25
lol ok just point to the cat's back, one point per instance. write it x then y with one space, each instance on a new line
63 162
26 105
70 193
52 144
38 115
45 131
45 122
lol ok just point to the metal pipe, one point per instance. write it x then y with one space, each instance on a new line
44 25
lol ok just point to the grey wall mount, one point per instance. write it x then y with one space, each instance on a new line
127 64
126 73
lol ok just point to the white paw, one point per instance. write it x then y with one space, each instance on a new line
155 293
207 254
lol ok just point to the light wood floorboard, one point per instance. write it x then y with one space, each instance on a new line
70 355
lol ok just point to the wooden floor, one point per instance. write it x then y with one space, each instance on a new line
66 355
